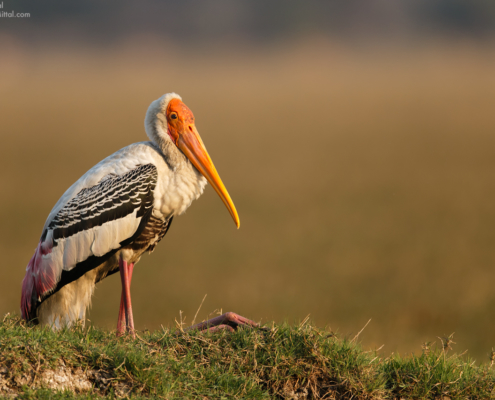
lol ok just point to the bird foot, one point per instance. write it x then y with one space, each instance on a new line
229 321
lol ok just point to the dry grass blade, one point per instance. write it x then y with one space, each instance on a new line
199 308
364 327
304 321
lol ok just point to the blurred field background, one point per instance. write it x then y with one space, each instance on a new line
357 142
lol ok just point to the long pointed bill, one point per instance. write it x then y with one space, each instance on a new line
190 143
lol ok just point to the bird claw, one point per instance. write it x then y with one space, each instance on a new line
229 321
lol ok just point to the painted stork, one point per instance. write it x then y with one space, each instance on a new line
117 211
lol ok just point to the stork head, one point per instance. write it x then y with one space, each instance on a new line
170 122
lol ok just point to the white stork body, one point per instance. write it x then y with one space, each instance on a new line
119 209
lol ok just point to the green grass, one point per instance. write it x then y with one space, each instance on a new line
293 362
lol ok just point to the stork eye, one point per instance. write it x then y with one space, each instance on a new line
173 116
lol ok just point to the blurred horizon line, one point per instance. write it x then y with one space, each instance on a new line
150 43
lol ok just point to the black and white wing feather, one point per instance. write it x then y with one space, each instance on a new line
93 225
103 211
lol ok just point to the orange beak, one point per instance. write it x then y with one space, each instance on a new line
190 143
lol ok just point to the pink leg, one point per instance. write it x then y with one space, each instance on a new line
125 311
230 321
129 317
121 322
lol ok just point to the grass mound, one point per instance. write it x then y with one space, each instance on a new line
289 362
